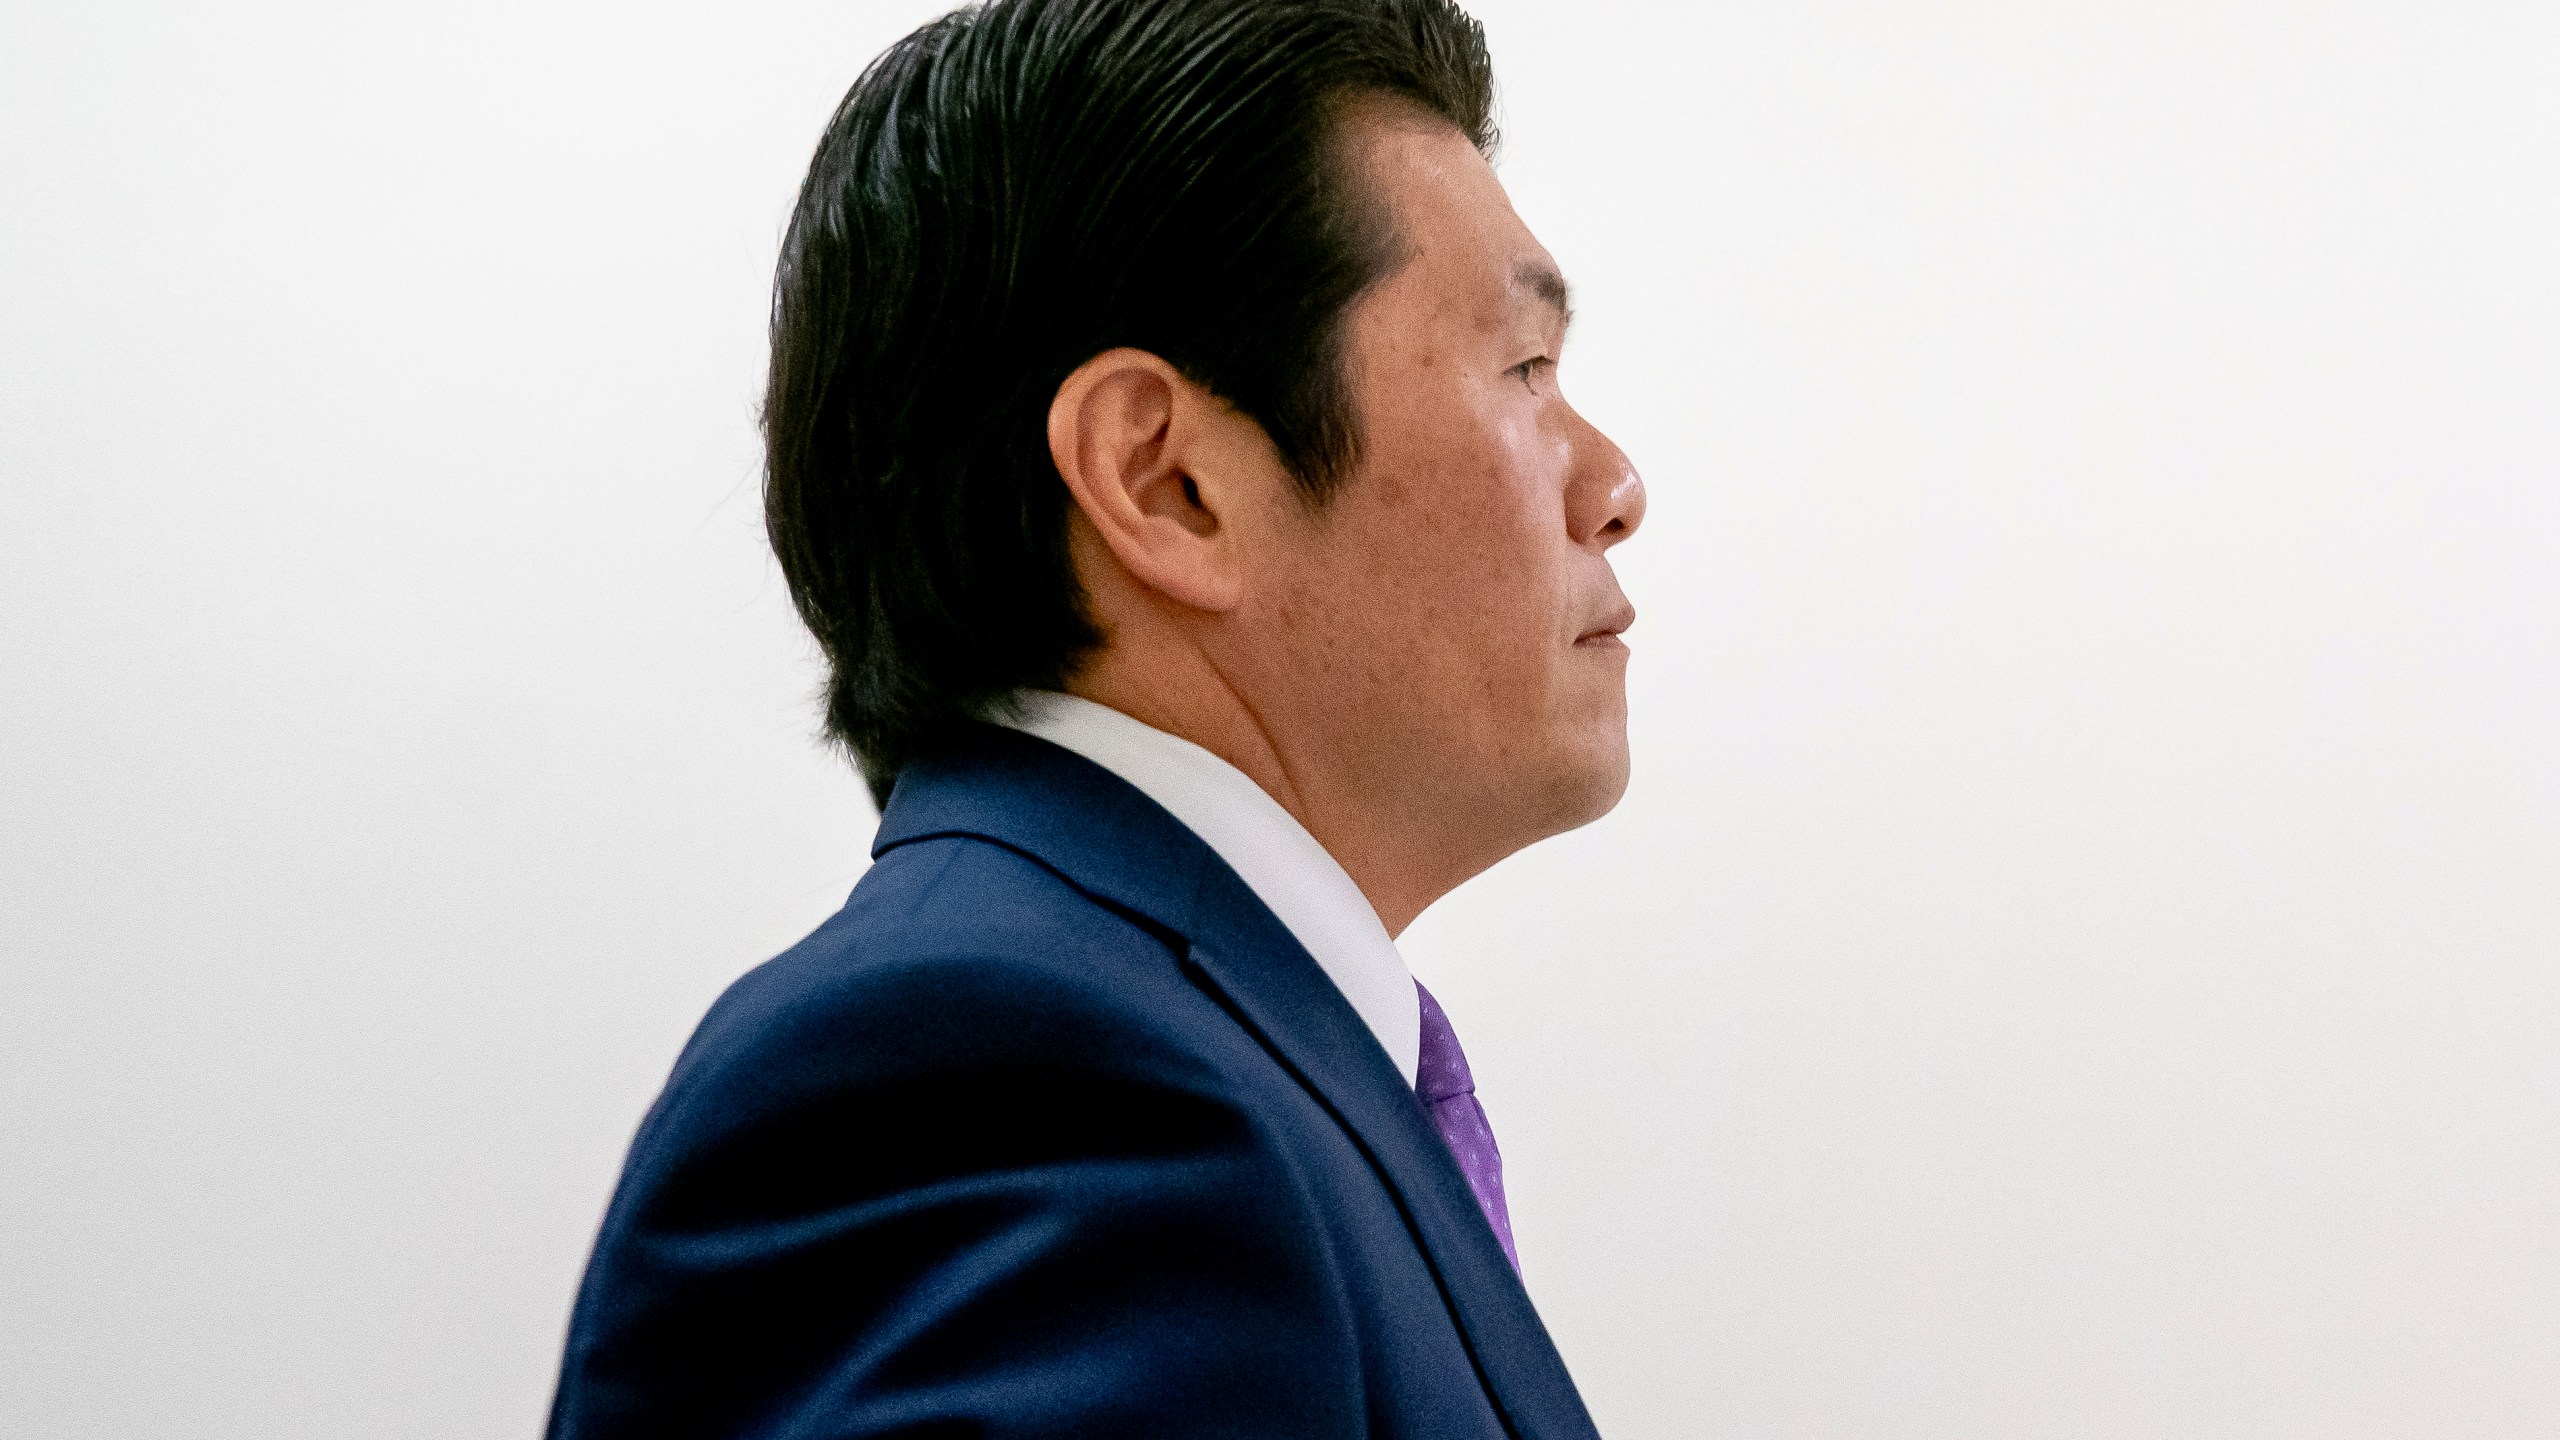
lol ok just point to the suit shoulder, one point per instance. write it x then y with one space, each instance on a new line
953 955
976 1117
944 905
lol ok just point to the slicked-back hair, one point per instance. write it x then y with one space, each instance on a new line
1007 192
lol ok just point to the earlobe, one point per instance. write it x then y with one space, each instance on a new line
1125 433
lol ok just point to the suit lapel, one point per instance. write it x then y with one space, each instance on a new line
1324 1043
1111 840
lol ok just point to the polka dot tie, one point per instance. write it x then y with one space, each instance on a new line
1448 1093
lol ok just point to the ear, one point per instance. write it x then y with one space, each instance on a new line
1152 462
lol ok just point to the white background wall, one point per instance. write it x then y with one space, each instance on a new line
2079 956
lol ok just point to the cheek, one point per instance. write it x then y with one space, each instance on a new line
1461 499
1460 567
1444 575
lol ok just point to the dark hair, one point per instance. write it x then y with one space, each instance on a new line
1007 192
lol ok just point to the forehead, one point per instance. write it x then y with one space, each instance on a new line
1463 251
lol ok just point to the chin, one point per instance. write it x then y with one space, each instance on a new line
1588 776
1605 785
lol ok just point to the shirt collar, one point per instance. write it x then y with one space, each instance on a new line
1262 842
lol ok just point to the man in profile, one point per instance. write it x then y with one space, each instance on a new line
1165 448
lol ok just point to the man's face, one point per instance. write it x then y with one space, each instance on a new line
1450 613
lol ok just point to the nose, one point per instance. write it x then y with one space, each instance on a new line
1604 497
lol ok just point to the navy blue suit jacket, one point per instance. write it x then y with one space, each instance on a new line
1054 1130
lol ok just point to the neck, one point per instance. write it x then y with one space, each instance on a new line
1179 690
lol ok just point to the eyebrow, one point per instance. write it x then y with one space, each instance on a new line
1540 279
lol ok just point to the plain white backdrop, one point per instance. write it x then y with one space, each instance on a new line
2081 956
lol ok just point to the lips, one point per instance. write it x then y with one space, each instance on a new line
1610 627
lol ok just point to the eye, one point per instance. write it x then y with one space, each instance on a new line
1529 370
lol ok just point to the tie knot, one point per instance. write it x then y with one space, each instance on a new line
1442 1069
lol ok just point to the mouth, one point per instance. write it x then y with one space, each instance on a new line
1605 634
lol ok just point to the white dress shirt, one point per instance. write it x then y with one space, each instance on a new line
1263 843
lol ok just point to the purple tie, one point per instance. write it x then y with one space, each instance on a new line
1448 1091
